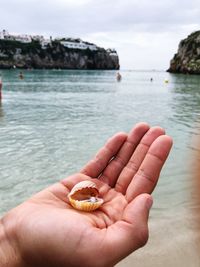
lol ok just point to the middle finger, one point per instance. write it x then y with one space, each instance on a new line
116 165
137 158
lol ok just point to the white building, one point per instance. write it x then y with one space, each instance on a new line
69 42
3 34
20 38
112 52
44 43
39 38
78 45
23 38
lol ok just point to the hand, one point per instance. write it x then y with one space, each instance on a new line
46 231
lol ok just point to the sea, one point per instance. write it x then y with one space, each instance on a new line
53 121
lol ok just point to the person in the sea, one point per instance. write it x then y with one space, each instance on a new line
21 75
47 231
1 85
118 77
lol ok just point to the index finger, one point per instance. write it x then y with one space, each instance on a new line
95 166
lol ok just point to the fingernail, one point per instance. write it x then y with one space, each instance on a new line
149 202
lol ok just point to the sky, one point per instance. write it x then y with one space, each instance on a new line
145 33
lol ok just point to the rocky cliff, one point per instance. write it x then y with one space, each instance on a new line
55 55
187 59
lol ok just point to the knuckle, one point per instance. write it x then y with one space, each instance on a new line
132 166
148 177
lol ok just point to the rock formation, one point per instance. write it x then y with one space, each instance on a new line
55 55
187 59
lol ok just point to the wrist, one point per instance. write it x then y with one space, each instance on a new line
9 252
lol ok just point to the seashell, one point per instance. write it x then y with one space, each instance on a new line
84 196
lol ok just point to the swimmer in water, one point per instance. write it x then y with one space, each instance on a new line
118 77
21 76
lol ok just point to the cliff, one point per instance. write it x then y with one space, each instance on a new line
187 59
55 55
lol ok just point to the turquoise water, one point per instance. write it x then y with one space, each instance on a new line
53 122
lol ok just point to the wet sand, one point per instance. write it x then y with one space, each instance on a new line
171 244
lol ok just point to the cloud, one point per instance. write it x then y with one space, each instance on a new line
87 16
138 27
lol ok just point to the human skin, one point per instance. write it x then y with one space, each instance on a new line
46 231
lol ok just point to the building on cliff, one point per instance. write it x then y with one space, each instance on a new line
27 51
20 38
78 45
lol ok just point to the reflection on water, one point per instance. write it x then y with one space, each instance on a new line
186 99
1 110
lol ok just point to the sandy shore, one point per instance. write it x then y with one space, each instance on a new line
172 243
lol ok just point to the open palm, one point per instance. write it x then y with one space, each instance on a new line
52 233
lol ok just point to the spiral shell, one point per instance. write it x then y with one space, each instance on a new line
84 196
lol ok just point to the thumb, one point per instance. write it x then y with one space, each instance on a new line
137 211
131 232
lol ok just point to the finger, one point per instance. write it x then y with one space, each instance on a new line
147 176
131 232
138 156
112 171
94 167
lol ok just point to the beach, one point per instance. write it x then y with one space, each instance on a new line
174 244
53 121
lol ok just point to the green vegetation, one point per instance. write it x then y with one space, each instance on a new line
193 35
187 59
10 47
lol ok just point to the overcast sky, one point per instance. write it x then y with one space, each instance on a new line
145 33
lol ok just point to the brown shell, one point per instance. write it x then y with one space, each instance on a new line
84 196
